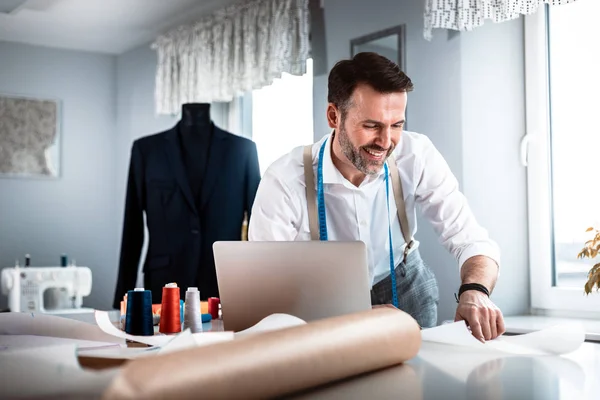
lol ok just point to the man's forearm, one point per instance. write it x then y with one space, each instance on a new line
480 269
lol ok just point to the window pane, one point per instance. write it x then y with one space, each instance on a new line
574 53
282 116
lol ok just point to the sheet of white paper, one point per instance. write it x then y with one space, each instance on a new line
188 340
443 344
120 353
271 323
556 340
51 371
456 334
185 340
16 323
482 365
103 321
13 342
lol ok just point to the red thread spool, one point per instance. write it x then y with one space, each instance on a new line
170 317
213 307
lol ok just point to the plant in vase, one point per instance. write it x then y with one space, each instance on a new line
591 250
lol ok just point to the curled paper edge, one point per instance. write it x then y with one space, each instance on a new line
103 321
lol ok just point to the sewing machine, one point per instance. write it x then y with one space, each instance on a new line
50 290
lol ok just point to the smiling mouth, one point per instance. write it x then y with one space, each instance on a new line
375 155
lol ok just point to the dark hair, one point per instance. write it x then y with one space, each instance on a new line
369 68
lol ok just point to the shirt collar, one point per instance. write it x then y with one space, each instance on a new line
332 175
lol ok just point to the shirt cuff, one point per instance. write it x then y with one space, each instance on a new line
480 249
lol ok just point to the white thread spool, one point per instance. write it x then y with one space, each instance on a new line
192 316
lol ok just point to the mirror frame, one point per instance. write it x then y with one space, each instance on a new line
400 31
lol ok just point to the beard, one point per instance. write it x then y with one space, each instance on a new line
357 157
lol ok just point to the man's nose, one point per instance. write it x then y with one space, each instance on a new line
385 138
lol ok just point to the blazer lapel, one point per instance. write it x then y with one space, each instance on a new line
175 158
216 158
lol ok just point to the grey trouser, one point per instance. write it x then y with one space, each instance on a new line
418 293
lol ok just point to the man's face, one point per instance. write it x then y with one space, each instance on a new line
371 128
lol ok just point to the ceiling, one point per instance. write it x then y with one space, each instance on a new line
104 26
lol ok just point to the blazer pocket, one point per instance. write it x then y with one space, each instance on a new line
157 262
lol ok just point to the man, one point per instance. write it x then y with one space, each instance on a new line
353 169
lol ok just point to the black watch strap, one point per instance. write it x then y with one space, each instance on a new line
471 286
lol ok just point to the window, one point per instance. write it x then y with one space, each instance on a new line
282 116
563 150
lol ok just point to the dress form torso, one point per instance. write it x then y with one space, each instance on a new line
195 133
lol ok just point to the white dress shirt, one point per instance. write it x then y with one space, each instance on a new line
360 213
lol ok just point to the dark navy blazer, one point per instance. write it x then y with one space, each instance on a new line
182 230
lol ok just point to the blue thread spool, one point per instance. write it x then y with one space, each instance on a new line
206 318
138 320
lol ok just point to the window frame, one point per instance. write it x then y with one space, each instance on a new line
536 154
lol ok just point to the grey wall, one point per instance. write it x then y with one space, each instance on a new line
468 99
493 116
319 54
76 213
135 118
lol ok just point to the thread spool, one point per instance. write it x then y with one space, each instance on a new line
213 307
170 314
192 314
138 320
123 312
124 305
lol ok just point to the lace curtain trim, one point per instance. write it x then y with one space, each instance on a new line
242 47
464 15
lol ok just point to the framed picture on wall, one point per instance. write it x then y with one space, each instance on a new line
29 137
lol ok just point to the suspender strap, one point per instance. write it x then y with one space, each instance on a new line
401 208
311 193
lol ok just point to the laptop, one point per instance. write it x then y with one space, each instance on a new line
310 280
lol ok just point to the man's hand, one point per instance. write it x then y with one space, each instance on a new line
481 314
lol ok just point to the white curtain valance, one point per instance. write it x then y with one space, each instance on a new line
464 15
242 47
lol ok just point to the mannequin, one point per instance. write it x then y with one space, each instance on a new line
195 134
190 186
197 114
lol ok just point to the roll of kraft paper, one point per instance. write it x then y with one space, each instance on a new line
276 363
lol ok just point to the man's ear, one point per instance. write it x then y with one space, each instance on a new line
333 116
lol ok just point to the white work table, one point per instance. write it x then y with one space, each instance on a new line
447 372
450 372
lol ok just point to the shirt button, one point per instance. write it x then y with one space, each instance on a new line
194 231
363 222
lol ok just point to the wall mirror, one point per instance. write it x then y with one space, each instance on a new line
390 43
